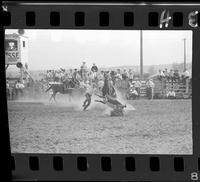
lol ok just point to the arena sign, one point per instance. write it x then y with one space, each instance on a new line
12 53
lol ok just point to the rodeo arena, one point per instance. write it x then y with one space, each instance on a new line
96 110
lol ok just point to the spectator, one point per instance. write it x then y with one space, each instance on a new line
56 76
8 90
124 75
138 85
70 74
84 66
94 68
19 88
112 75
176 75
166 73
133 94
81 72
150 86
131 75
118 75
171 74
161 75
62 73
84 70
185 75
78 76
171 94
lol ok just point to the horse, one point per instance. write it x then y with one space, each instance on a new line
109 98
61 88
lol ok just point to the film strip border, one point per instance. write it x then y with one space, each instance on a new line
105 167
101 16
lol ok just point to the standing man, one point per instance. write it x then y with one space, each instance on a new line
94 68
185 75
19 88
8 90
118 75
131 75
138 85
84 70
150 87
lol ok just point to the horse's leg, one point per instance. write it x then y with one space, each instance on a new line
54 97
88 103
50 98
100 101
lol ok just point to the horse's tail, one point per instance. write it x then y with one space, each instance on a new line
49 88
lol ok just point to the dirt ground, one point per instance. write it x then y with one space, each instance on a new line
155 127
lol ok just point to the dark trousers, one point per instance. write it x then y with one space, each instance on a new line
138 91
149 93
19 92
87 101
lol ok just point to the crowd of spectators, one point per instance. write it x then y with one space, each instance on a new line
174 75
87 75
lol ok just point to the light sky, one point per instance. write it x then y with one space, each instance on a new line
53 49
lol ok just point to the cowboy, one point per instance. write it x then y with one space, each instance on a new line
94 68
89 91
84 70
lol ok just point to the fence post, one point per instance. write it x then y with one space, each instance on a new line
187 86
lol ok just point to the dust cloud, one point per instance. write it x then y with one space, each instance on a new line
74 101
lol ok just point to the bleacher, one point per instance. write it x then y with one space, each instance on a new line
161 88
182 90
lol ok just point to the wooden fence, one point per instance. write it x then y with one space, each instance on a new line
182 90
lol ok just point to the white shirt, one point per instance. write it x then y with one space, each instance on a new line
171 93
150 84
133 91
138 84
89 89
161 74
19 86
186 73
119 76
